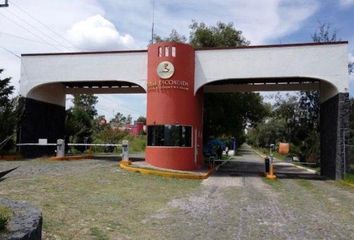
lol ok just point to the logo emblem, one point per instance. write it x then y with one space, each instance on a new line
165 70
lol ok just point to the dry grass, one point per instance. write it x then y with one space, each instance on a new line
93 199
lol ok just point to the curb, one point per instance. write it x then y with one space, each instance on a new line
297 166
170 174
305 168
69 158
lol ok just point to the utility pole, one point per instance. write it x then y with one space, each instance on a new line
6 4
153 22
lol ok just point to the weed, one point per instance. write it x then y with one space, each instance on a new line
276 184
98 234
5 215
305 183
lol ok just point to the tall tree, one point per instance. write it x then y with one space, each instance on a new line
221 35
141 119
7 114
226 114
87 103
80 118
119 120
173 37
324 33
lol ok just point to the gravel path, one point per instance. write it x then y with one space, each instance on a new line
38 167
245 206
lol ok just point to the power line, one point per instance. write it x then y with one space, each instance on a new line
11 52
27 39
129 109
17 24
38 30
44 25
153 22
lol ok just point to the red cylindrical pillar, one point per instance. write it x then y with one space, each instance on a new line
174 113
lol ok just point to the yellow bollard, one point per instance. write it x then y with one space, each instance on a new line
271 175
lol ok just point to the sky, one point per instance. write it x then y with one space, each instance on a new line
35 26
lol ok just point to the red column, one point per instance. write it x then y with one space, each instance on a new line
171 103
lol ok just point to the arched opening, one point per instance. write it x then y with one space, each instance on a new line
44 112
327 113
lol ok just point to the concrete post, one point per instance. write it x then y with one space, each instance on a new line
60 148
125 150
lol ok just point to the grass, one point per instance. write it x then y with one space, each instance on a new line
305 183
5 215
95 200
98 234
276 184
137 144
349 178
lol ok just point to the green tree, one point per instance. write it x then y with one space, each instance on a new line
8 119
141 119
324 33
173 37
119 120
226 114
221 35
269 131
80 118
87 103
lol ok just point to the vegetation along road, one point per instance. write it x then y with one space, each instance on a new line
93 199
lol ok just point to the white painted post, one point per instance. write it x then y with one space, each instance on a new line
125 150
60 148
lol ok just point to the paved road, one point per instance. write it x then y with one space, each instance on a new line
236 203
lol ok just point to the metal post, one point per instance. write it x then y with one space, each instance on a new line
60 148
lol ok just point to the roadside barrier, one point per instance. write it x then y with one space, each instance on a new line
60 151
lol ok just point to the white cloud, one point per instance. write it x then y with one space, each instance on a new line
351 57
97 33
57 15
113 24
346 3
261 21
109 105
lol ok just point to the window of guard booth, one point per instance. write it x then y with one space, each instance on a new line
169 135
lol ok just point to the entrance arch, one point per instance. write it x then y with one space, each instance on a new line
45 78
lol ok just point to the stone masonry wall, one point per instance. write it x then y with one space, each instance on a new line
334 124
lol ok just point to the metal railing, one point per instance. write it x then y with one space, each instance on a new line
60 151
